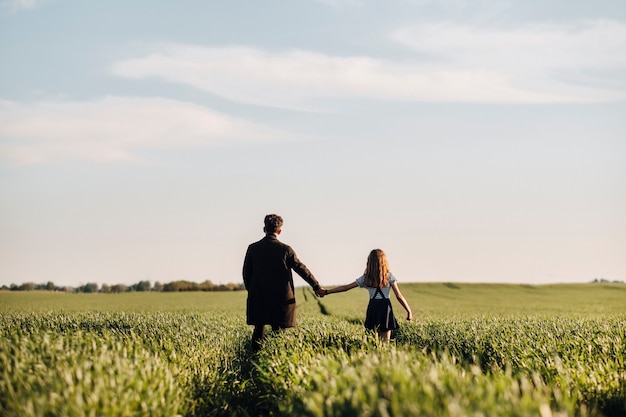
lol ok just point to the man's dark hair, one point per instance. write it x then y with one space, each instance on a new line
273 223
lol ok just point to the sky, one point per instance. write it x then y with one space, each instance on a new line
472 141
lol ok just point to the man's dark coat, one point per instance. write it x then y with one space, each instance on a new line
269 281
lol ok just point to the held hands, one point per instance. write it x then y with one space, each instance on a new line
320 292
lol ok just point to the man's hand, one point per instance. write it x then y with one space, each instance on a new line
320 292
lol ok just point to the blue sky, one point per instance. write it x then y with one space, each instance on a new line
473 141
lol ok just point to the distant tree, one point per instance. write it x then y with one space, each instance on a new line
181 286
606 281
232 287
204 286
175 286
118 288
89 288
207 286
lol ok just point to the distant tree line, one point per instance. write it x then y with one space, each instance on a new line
93 287
605 281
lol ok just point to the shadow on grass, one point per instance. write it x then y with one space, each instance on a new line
242 387
246 383
236 389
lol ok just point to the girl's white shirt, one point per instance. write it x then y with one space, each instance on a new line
360 282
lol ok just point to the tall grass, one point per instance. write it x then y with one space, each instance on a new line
196 360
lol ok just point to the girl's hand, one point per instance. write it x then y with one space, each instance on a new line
409 317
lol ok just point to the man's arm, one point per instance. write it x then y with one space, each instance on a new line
247 269
301 269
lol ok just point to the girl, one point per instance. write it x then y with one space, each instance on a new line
378 281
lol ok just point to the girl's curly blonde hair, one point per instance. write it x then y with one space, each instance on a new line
377 269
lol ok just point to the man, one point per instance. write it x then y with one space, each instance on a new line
267 277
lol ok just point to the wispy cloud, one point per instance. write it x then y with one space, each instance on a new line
115 128
454 64
557 59
17 5
339 4
296 79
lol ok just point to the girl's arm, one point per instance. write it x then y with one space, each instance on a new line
402 301
342 288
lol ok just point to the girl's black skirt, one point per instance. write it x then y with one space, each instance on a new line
380 315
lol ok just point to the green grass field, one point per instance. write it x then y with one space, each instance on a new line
473 349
